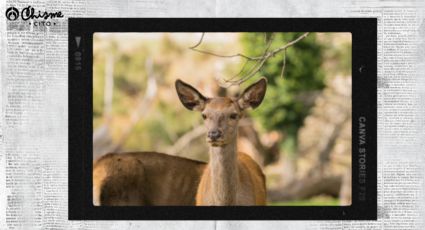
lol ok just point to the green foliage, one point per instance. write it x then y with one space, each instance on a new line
281 110
98 81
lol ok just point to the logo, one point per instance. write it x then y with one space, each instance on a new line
12 13
37 17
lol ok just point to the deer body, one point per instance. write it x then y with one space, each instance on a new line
230 178
145 178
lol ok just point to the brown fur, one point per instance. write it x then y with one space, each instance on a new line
257 177
220 103
252 181
145 178
231 178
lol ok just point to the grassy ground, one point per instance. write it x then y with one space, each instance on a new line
311 202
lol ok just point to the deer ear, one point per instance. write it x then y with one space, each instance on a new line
253 95
190 97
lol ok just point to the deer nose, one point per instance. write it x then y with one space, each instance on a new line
215 134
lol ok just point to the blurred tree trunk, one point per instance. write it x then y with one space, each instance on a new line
345 195
102 139
306 188
249 142
289 171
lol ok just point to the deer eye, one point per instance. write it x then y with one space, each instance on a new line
233 116
204 116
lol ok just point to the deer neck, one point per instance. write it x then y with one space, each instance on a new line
224 173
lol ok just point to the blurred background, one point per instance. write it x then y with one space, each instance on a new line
300 135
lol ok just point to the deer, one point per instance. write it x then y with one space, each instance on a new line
230 178
145 179
155 179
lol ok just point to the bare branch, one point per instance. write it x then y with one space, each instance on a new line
199 42
242 69
290 43
259 60
225 56
185 140
194 48
284 64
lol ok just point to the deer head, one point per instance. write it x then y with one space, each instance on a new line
221 114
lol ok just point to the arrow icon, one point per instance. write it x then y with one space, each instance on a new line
77 40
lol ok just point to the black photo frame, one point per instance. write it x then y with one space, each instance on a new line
364 118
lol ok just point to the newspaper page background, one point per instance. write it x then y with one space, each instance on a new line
34 99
